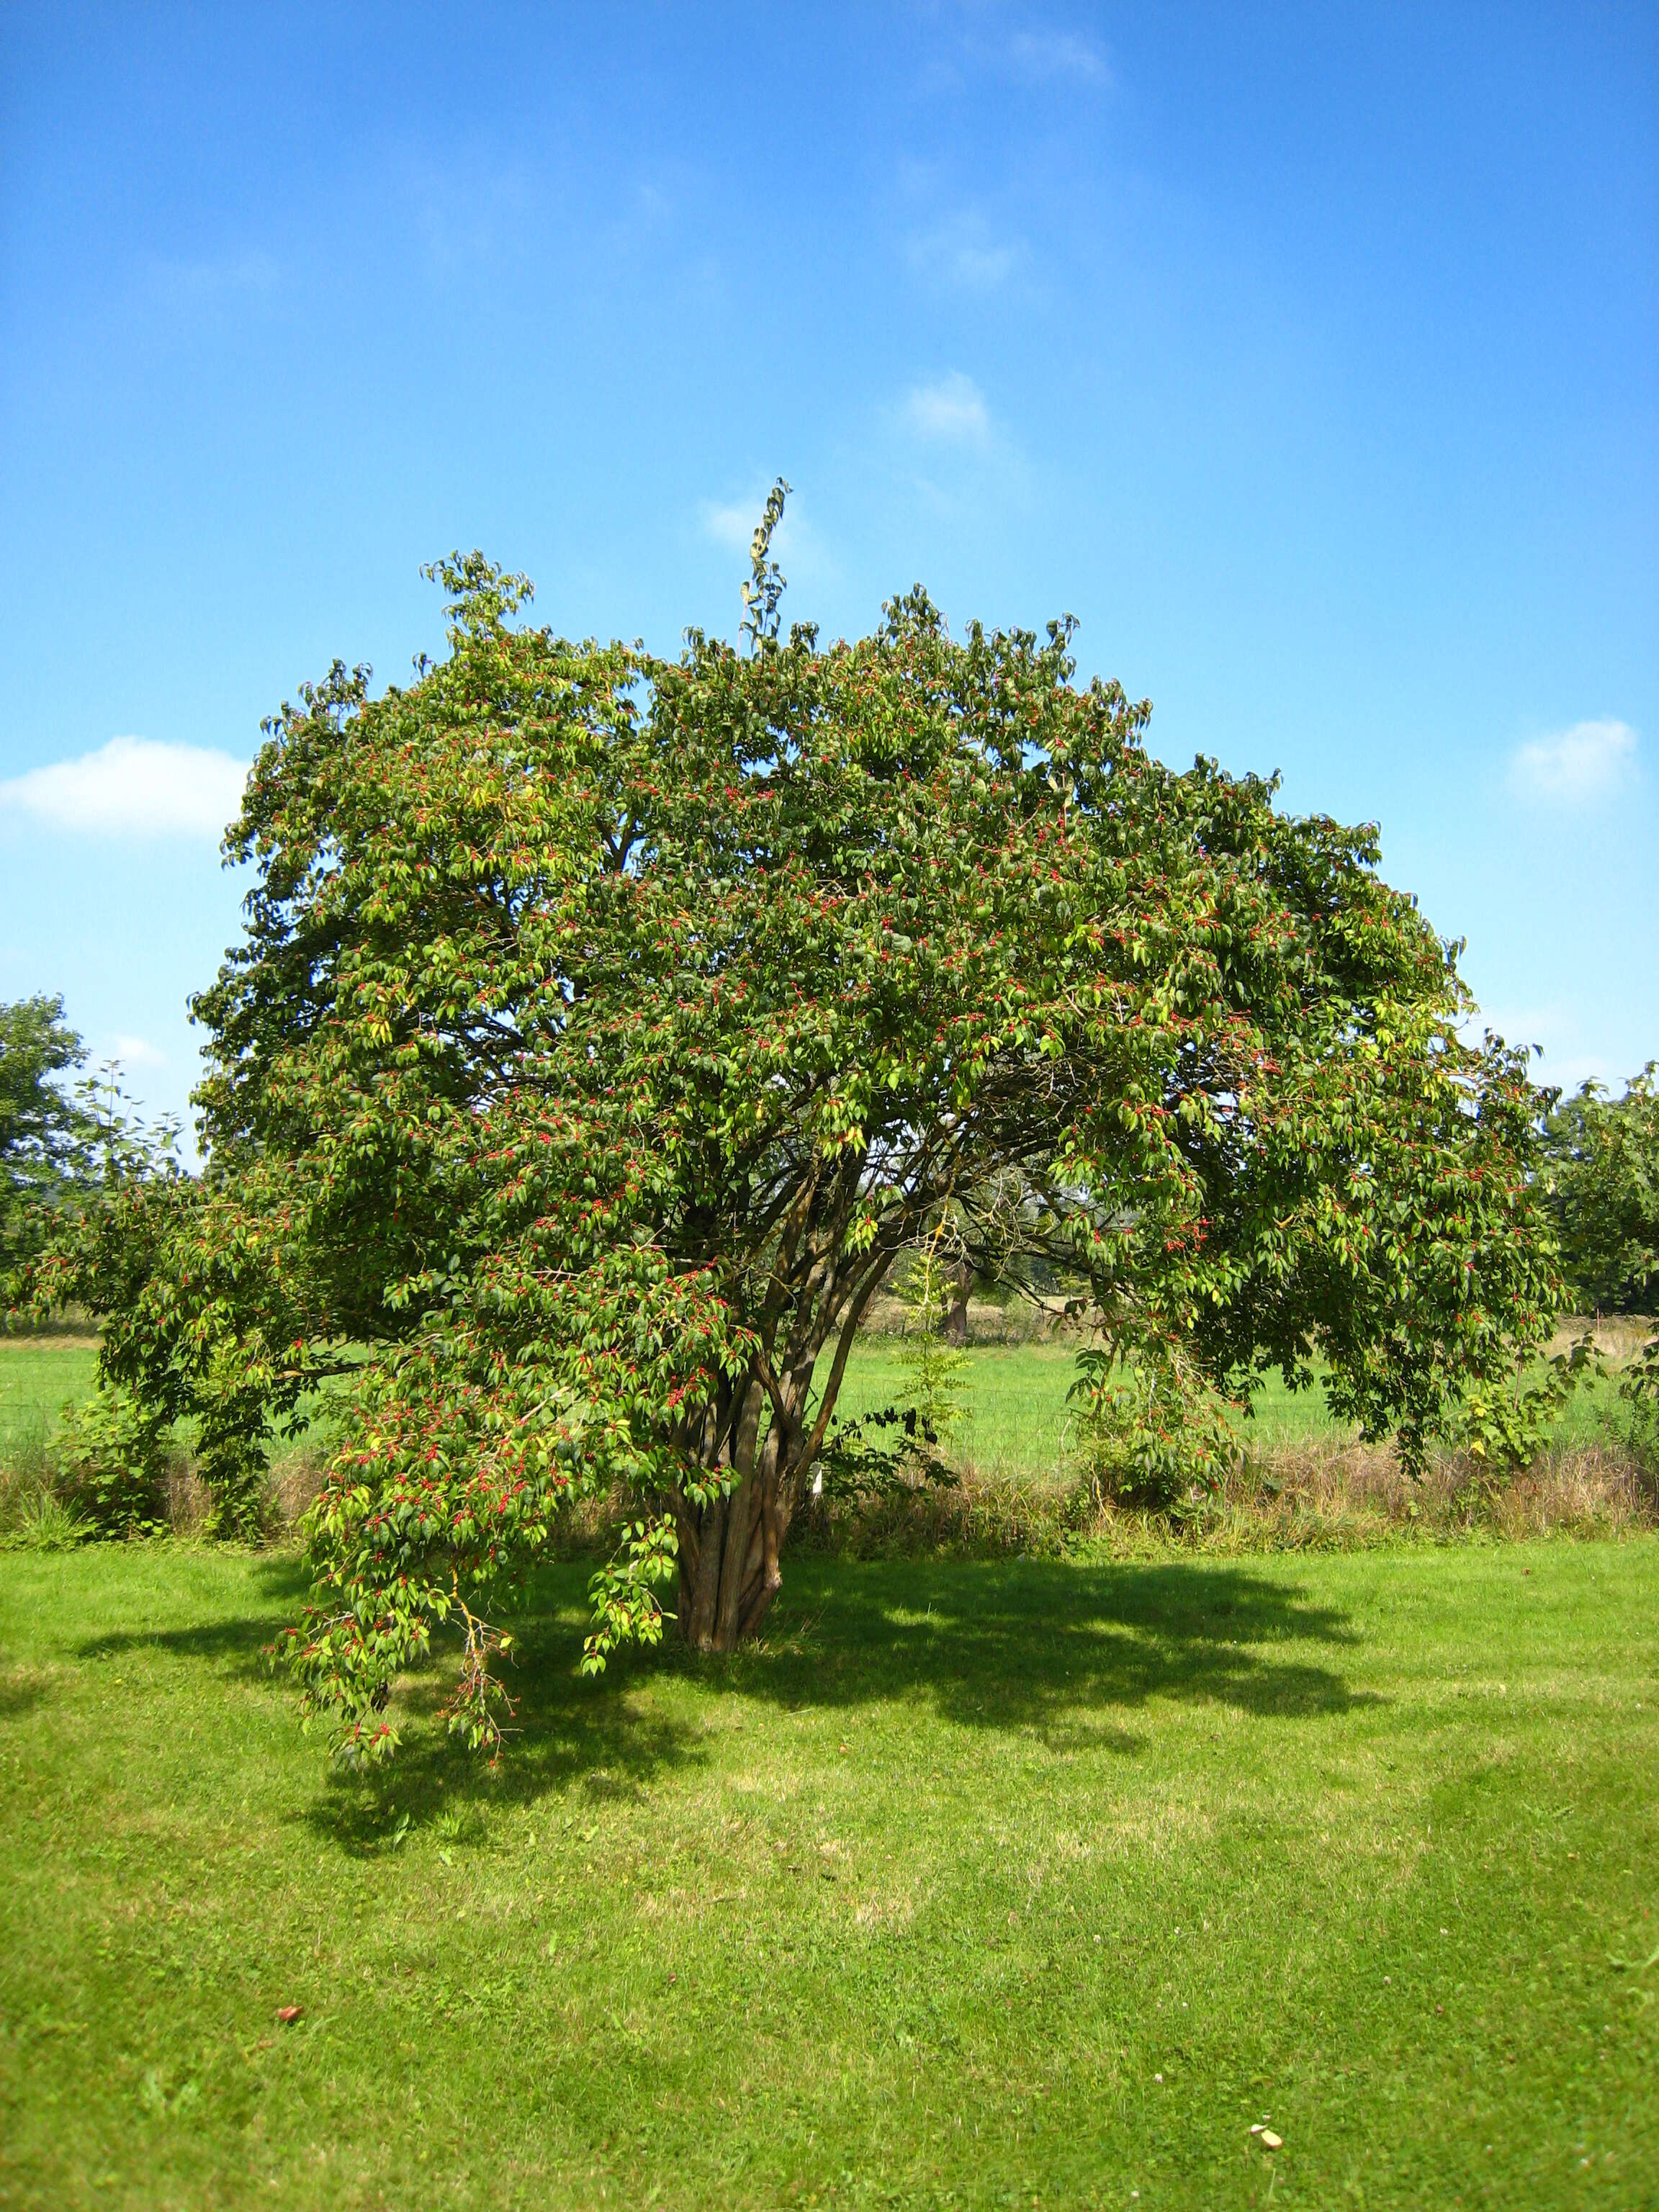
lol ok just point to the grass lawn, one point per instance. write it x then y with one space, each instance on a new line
978 1885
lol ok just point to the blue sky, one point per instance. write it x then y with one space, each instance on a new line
1310 357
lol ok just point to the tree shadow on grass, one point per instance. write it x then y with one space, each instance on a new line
20 1695
1069 1652
1066 1650
1047 1645
565 1731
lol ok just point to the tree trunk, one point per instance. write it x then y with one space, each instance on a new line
729 1551
726 1592
728 1582
956 1320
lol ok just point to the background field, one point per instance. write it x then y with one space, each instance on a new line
1304 1482
977 1885
37 1375
1016 1419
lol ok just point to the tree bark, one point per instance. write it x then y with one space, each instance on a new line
713 1591
737 1574
731 1551
956 1322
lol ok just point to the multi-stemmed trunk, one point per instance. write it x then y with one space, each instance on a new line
758 1446
727 1587
729 1548
956 1319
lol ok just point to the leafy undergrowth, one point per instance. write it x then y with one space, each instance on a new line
976 1884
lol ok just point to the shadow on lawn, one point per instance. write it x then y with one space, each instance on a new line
1066 1650
1031 1644
566 1728
21 1696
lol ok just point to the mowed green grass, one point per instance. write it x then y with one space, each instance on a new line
978 1885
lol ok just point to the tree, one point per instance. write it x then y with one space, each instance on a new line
43 1131
1603 1158
63 1154
606 1025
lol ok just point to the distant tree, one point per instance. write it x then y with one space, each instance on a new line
980 1240
45 1132
1603 1166
605 1027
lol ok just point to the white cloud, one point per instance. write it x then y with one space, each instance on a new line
962 251
468 213
1541 1028
1590 761
254 275
1058 53
133 786
951 408
136 1052
732 527
796 544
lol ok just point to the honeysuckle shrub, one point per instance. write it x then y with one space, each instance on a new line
605 1026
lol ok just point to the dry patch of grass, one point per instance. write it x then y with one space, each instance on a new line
1317 1496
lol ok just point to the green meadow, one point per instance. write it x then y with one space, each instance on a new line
979 1881
974 1884
38 1376
1016 1420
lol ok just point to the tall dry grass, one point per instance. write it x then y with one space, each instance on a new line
1305 1496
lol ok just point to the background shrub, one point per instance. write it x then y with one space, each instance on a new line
111 1458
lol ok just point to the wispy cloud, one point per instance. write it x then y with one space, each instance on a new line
1014 42
136 1052
798 547
1554 1033
951 408
963 253
472 215
256 271
132 787
732 525
1053 54
1576 767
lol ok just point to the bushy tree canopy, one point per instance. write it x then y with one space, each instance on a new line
1603 1155
605 1025
44 1131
